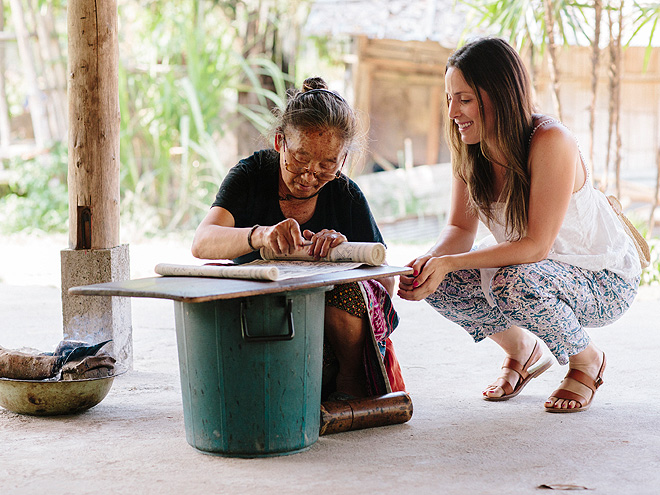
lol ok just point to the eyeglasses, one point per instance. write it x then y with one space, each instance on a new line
297 169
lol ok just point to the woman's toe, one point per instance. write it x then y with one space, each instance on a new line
494 391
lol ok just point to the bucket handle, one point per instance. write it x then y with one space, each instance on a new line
267 338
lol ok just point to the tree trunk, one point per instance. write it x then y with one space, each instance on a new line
56 99
5 127
247 135
611 106
93 125
616 96
552 56
656 194
37 109
277 40
595 64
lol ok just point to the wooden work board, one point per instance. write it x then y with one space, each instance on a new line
202 289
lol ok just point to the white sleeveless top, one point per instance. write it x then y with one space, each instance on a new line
590 237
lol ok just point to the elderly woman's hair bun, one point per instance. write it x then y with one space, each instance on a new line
315 106
313 83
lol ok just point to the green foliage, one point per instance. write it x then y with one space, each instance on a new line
179 80
651 275
181 71
523 22
38 197
645 16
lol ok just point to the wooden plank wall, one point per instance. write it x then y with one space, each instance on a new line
640 106
399 89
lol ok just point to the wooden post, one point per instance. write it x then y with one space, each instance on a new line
94 254
93 125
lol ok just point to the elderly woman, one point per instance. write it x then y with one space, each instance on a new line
296 195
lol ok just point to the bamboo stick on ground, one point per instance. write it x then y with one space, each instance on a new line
369 412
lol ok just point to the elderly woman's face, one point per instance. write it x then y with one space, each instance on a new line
309 159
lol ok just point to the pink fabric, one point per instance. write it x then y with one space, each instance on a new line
383 320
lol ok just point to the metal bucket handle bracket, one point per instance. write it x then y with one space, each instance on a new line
267 338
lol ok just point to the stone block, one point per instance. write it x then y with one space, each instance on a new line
97 318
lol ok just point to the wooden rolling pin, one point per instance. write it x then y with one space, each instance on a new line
369 412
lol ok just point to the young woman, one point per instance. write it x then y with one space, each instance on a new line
560 260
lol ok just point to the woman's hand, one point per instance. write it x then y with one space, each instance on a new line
322 241
428 273
283 238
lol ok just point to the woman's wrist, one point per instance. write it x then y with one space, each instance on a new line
449 262
251 237
452 262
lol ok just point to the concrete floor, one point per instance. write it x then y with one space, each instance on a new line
456 443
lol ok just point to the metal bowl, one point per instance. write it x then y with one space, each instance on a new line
49 398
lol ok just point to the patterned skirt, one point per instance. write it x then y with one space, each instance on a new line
368 299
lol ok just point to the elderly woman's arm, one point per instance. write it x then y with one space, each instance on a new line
217 238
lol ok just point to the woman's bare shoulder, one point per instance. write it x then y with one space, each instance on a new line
549 131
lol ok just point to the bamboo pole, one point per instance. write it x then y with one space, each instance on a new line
617 102
369 412
5 127
56 100
58 56
656 196
36 105
552 56
93 125
595 63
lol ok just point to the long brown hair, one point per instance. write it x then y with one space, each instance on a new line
492 65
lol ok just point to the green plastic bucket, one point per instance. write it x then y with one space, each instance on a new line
251 372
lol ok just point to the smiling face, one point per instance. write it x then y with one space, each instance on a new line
314 151
463 108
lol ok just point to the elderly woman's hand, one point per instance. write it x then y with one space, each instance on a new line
322 241
284 237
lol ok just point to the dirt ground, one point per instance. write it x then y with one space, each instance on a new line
456 443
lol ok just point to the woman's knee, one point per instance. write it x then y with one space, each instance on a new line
455 288
342 326
514 287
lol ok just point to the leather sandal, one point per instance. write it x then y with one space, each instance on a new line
526 372
584 379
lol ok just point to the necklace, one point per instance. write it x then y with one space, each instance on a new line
540 124
289 197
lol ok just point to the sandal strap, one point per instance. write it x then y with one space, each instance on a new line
504 385
584 379
521 369
562 393
514 365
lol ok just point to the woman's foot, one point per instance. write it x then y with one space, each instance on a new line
578 388
515 374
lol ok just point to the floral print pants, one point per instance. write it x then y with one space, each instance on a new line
551 299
